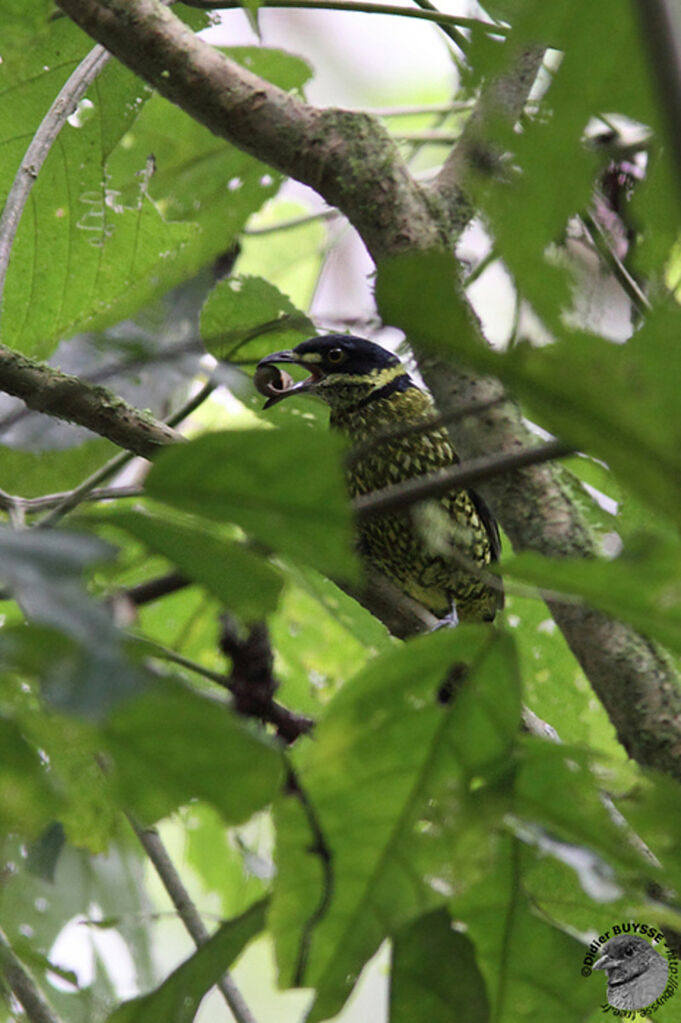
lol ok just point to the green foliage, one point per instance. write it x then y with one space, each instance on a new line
481 859
434 971
245 476
178 997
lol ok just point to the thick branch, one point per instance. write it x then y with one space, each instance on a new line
347 157
67 397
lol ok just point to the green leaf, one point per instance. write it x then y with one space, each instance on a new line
200 178
248 317
178 997
42 570
531 968
243 581
171 745
27 799
284 488
387 782
434 974
641 586
105 257
618 402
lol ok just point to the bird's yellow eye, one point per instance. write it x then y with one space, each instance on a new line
335 356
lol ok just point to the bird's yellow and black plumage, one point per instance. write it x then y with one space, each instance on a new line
425 549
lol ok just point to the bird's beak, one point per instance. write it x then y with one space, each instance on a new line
605 962
277 385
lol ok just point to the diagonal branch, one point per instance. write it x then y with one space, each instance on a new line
23 987
68 397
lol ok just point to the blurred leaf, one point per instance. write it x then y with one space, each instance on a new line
42 569
171 745
226 867
32 474
531 968
261 480
243 581
548 769
247 317
27 798
434 974
56 915
618 402
291 258
641 586
44 852
387 743
177 999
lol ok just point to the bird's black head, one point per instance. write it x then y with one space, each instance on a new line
344 370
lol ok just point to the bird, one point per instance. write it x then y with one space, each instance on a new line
436 551
636 973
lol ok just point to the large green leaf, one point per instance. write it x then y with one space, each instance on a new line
386 783
641 586
178 997
283 487
532 969
434 974
247 317
200 178
171 745
105 257
618 402
243 581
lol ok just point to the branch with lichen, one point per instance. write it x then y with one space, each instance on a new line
67 397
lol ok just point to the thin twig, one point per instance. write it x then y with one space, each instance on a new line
402 495
32 505
287 225
601 243
70 94
84 489
22 985
151 842
81 492
364 8
404 430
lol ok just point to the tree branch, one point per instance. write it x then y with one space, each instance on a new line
403 495
75 88
150 841
22 985
67 397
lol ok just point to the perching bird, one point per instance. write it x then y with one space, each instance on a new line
636 973
426 549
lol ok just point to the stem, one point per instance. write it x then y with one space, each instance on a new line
189 915
364 7
402 495
22 985
72 91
